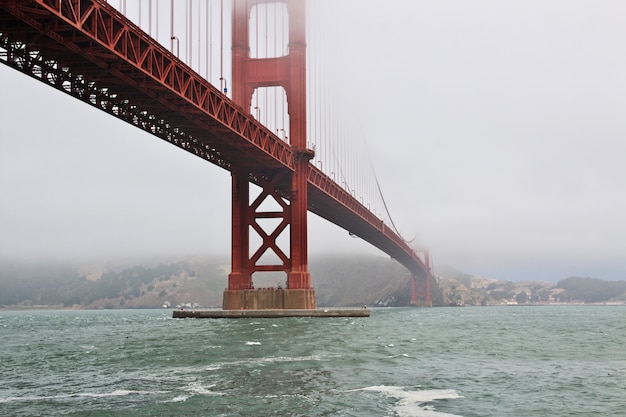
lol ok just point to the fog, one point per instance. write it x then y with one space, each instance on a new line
497 131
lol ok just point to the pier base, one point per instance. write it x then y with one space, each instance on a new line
269 299
422 303
270 303
237 314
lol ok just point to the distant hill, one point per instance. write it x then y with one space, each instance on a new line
458 288
592 290
339 280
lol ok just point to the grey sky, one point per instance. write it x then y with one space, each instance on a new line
497 130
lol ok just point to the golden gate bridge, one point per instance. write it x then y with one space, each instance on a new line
261 108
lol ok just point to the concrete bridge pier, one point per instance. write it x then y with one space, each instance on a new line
269 299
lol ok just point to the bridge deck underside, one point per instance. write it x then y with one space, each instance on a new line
72 62
38 42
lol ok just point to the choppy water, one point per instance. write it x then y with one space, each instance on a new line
482 361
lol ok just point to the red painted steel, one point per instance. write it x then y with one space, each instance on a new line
420 286
89 50
420 291
289 72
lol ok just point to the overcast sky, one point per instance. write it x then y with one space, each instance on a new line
497 129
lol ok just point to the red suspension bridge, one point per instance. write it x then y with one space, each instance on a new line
260 122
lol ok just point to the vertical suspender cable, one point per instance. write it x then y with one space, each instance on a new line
157 20
333 122
310 72
282 53
352 150
256 52
222 45
320 99
310 96
274 53
189 8
346 138
329 123
199 37
172 24
267 103
208 31
348 149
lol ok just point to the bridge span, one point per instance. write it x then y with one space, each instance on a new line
92 52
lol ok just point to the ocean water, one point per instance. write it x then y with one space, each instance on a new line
431 362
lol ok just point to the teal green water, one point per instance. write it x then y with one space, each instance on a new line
474 361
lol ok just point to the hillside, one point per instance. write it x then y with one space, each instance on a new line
458 288
338 281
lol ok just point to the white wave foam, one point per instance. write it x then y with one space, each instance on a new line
403 355
178 399
256 361
412 403
198 389
88 348
116 393
289 359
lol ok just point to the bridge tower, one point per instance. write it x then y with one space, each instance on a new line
248 74
420 286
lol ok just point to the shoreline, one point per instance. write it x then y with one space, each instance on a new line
74 308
